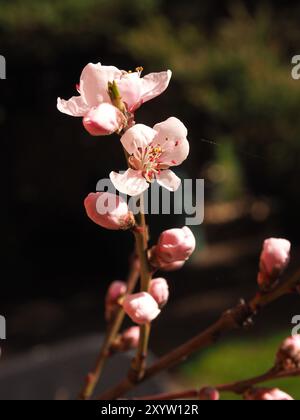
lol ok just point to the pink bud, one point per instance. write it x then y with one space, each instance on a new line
116 291
159 290
266 394
209 394
141 308
103 120
174 245
175 266
288 356
109 211
130 338
274 259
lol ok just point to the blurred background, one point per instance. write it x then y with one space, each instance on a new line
232 87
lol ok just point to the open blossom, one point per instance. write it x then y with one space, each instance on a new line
142 308
109 211
159 290
266 394
175 246
288 356
94 104
274 259
152 152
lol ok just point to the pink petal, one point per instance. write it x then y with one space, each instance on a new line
154 84
94 83
130 87
171 136
168 180
76 107
130 183
139 136
103 120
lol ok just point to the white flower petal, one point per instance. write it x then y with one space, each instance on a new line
130 183
138 136
171 136
94 83
169 180
130 88
76 107
154 84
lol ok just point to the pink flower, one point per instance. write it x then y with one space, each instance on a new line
93 90
159 290
288 356
274 259
265 394
109 211
174 246
141 308
175 266
209 394
152 152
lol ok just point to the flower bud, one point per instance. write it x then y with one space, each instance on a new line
141 308
175 266
159 290
266 394
274 259
209 394
288 356
174 246
109 211
127 341
116 290
130 338
103 120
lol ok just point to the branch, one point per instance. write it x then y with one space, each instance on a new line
93 377
236 387
239 317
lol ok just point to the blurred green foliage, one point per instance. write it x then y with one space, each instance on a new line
238 360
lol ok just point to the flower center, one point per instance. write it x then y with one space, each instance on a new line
148 161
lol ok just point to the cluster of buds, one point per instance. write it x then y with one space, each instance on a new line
274 259
266 394
174 248
109 211
288 356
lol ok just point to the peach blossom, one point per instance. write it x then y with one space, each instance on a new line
152 152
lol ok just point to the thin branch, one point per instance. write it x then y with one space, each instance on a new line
93 377
239 317
236 387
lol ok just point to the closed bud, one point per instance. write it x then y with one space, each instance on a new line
266 394
116 291
141 308
159 290
288 356
109 211
274 259
209 394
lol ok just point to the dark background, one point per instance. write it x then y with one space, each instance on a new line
232 87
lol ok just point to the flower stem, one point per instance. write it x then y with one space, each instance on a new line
141 236
93 377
